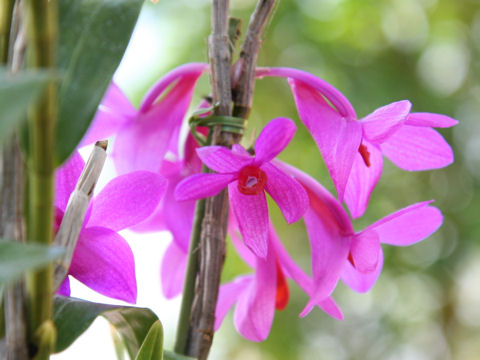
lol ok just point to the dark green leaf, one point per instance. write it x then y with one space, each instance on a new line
17 258
93 37
170 355
73 316
17 92
152 347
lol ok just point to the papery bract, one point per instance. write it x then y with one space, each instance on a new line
102 259
248 178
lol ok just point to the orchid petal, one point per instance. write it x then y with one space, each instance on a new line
274 137
330 307
143 143
418 148
292 270
240 150
408 225
290 196
64 288
362 282
255 309
172 270
363 180
127 200
116 100
66 177
113 113
251 213
338 138
431 120
104 262
321 200
384 121
223 160
178 217
364 250
177 74
335 97
242 250
228 295
201 186
329 253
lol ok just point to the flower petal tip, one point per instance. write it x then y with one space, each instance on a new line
307 309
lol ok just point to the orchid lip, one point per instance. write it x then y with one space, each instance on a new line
251 180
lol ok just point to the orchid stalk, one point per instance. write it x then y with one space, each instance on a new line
42 34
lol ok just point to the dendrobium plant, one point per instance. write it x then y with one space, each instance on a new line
162 170
150 139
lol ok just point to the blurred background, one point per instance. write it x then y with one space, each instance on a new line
426 303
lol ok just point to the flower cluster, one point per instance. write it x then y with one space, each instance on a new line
148 141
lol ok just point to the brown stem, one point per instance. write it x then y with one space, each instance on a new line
214 224
245 67
11 227
11 206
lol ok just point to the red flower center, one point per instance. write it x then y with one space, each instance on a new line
251 180
365 154
283 294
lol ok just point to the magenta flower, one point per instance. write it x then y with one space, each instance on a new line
144 137
352 150
103 259
257 296
248 178
356 257
149 139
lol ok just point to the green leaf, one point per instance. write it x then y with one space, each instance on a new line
17 92
17 258
73 316
152 347
93 37
118 343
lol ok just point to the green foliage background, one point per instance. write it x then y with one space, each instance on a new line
426 304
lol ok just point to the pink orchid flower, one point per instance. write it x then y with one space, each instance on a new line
248 178
144 137
352 149
103 259
257 296
356 257
149 139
